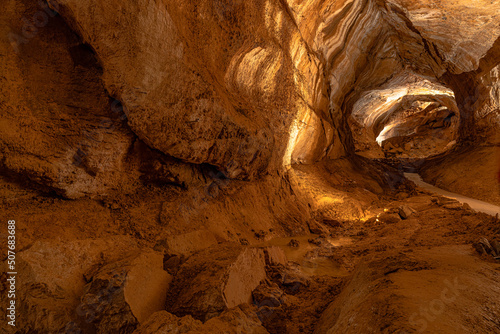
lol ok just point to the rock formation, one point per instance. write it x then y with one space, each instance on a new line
189 144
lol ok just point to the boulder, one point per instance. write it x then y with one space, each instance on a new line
268 294
389 218
216 279
405 211
495 245
125 293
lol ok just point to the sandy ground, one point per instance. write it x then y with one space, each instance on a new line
475 204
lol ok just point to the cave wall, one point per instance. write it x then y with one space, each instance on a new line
249 88
58 126
473 168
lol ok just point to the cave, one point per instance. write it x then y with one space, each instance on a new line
266 166
412 119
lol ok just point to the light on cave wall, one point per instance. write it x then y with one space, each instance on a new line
411 117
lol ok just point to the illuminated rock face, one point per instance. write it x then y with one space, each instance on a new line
206 82
409 117
247 87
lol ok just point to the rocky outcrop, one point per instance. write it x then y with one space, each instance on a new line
123 294
221 62
216 279
471 171
403 113
487 107
53 279
249 88
57 124
91 285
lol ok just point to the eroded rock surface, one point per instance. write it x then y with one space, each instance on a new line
53 279
203 128
216 279
237 320
123 294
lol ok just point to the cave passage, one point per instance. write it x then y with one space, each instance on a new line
416 120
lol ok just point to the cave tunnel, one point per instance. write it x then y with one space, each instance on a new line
415 121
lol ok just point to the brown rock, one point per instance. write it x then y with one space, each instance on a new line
317 228
238 320
316 241
332 223
188 243
172 264
389 218
466 206
453 206
495 245
124 294
275 255
405 211
292 279
483 247
54 278
267 295
216 279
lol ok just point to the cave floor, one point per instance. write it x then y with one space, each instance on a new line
375 274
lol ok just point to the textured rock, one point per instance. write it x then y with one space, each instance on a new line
124 294
454 31
58 126
238 320
53 275
389 294
246 87
252 89
186 244
405 211
216 279
487 108
408 106
238 117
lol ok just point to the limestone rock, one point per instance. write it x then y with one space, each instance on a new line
216 279
58 127
405 211
389 218
247 87
124 294
382 296
201 98
53 278
438 22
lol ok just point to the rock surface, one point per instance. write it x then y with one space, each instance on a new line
54 278
204 129
425 295
216 279
123 294
265 84
237 320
